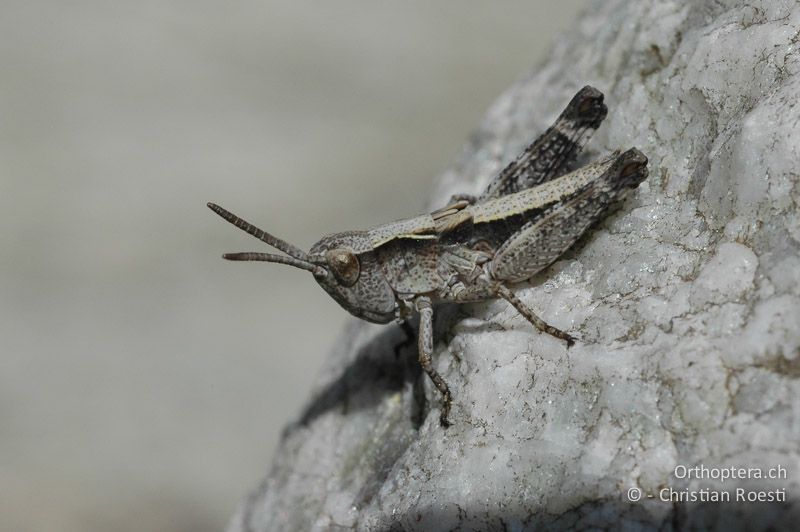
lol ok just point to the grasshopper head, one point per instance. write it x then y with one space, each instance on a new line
353 277
343 264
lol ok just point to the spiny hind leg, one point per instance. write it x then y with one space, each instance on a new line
425 309
529 315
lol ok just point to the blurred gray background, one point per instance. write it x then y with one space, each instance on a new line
144 381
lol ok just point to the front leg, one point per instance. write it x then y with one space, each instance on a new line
425 309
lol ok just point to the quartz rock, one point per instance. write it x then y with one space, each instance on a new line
686 301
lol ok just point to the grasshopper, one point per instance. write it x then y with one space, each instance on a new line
475 247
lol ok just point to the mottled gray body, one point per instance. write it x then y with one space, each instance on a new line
458 253
472 249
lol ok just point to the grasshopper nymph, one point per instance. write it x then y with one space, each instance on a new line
473 248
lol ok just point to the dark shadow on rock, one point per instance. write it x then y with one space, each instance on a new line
384 365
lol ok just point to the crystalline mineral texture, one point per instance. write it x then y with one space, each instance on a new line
686 301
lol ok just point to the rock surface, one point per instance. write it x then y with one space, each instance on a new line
686 300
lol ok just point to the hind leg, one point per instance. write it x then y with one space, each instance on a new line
543 239
551 154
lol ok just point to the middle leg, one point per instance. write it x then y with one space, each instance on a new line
529 315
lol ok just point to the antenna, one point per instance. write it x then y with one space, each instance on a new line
269 257
260 234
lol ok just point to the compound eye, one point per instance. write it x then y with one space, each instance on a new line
344 265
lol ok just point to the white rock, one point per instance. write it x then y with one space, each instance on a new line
686 300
